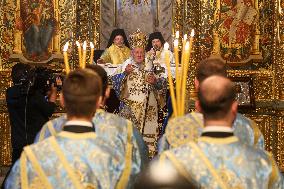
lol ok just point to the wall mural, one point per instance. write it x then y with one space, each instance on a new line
235 21
147 15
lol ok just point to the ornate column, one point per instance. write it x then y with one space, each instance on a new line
96 23
216 43
192 21
279 63
56 38
255 46
18 32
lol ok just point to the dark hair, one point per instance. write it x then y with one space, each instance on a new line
152 36
115 33
209 67
81 91
20 72
103 75
216 98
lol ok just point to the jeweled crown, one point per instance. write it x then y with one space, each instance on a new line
137 39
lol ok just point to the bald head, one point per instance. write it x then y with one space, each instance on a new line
216 96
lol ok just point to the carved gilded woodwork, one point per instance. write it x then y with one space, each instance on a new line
5 131
265 63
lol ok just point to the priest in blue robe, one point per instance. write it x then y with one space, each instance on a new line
76 157
218 159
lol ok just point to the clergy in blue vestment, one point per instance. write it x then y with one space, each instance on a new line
119 132
218 159
76 157
180 130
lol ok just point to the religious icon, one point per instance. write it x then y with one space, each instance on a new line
38 25
234 24
244 92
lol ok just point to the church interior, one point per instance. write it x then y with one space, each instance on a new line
246 35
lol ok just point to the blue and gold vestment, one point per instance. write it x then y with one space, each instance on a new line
68 160
120 134
224 163
139 100
181 130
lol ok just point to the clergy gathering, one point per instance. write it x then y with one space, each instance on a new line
142 94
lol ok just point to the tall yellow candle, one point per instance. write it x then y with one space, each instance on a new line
188 49
191 41
177 70
84 55
184 78
65 55
92 52
79 53
179 81
172 92
176 53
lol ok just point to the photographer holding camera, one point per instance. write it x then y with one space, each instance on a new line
30 102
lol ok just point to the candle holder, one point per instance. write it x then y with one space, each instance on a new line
178 96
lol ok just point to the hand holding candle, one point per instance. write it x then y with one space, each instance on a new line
92 52
65 55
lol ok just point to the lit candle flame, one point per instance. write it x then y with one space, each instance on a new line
177 34
84 45
176 42
65 48
65 55
77 43
92 45
186 46
192 33
92 52
185 37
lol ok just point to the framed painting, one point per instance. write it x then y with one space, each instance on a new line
244 92
38 26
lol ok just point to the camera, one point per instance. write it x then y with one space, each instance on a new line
39 79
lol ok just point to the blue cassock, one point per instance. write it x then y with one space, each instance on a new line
224 163
69 160
119 133
187 128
